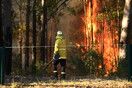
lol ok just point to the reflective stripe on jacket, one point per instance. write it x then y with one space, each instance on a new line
60 47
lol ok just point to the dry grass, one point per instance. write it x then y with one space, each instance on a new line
41 82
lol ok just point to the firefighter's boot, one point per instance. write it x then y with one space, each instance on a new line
63 76
55 76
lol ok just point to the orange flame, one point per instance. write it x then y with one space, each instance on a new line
105 40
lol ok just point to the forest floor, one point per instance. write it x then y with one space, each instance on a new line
47 82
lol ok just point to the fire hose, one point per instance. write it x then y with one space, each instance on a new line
55 56
48 64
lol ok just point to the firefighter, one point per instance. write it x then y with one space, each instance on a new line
59 55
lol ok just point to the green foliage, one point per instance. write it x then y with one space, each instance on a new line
51 5
78 67
37 69
84 62
76 64
94 62
111 13
40 68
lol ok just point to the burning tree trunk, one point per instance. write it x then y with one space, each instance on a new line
88 23
99 24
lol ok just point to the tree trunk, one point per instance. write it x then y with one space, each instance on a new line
7 35
129 31
43 32
34 32
1 28
20 35
27 35
125 30
119 19
91 20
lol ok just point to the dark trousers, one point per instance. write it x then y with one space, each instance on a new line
63 67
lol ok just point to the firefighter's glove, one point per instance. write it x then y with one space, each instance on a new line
56 56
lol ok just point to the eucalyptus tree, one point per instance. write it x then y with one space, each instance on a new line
126 30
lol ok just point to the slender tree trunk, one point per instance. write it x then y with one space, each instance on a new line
20 35
27 35
1 28
7 35
43 32
50 41
45 27
118 20
34 33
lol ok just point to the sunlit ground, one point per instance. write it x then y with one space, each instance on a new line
47 82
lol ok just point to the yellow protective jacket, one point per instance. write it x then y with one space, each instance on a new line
60 46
